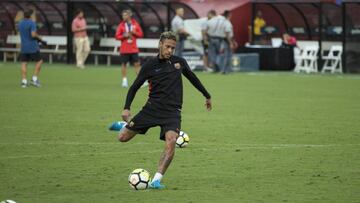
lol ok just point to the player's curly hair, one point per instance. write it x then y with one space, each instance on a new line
167 35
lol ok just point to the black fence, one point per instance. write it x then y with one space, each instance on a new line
351 38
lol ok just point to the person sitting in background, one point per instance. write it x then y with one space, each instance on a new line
289 41
259 24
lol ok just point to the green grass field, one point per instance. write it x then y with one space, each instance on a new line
271 137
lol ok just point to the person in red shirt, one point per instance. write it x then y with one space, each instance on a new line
82 42
289 40
127 32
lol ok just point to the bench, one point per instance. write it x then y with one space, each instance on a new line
11 40
112 45
55 44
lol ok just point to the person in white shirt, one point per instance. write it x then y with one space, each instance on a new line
227 45
205 40
177 26
216 33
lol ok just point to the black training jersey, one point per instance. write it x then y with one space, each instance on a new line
165 83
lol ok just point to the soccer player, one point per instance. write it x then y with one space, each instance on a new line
163 107
127 32
29 48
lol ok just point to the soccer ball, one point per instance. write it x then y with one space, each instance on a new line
8 201
139 179
182 140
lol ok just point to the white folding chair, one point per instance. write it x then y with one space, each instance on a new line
307 61
276 42
333 62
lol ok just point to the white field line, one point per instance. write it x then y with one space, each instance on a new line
192 149
198 144
289 73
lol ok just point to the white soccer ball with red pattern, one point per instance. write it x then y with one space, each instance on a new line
139 179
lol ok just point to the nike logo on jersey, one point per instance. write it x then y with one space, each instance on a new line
158 69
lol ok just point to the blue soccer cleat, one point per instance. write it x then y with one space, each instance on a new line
156 185
117 126
35 83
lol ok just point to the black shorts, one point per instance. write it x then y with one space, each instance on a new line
25 57
131 58
146 119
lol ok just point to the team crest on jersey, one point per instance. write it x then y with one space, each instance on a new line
177 65
131 124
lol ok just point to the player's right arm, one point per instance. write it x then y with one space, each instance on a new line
140 79
120 33
137 32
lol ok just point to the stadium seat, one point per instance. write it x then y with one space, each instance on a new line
333 62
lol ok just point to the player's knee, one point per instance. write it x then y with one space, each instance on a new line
123 137
171 139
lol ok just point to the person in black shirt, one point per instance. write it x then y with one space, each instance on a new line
163 107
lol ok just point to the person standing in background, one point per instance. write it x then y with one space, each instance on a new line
127 32
18 18
82 43
30 50
259 24
227 45
205 42
216 33
177 26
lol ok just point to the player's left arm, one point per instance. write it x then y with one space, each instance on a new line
194 80
137 32
35 35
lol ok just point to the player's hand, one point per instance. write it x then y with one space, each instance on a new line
126 115
126 34
208 104
43 42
